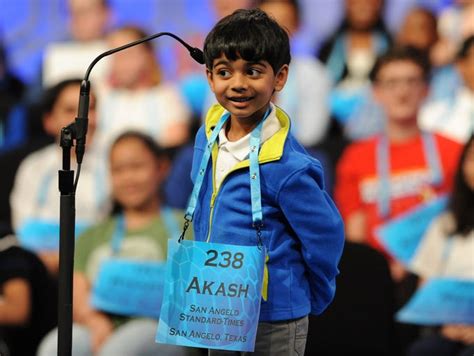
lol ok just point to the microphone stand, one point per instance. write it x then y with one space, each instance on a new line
67 187
66 245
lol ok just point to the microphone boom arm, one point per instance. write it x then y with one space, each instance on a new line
196 53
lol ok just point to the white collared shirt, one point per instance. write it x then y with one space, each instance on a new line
232 152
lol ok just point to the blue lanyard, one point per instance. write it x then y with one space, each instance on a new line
171 226
254 173
383 169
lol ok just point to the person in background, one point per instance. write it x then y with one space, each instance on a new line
28 299
455 25
35 197
418 30
88 23
384 176
350 53
137 169
454 116
13 119
447 250
135 96
414 174
307 90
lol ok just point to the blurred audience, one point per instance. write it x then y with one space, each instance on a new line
454 116
384 176
28 308
307 90
447 250
136 97
418 30
138 232
88 23
455 25
455 22
222 8
13 120
381 177
35 196
350 53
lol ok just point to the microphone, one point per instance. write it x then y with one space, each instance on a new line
82 120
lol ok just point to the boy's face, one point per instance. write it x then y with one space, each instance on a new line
245 88
401 89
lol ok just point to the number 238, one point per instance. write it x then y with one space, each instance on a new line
235 261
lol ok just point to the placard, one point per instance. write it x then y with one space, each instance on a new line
43 235
440 301
128 287
212 295
402 235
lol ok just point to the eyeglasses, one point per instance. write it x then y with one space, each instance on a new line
411 82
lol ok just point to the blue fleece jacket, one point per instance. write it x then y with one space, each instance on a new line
303 231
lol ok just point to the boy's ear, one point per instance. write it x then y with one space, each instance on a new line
209 79
281 77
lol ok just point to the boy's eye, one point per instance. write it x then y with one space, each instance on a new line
253 72
223 73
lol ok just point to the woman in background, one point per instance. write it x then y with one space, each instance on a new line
447 250
139 231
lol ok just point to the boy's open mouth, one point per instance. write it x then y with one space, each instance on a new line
240 99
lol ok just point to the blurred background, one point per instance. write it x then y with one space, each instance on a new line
372 83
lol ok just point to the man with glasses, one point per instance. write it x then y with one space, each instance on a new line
382 177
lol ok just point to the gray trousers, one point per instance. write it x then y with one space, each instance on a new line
282 338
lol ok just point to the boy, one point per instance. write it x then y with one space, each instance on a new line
247 57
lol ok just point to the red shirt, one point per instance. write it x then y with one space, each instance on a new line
409 178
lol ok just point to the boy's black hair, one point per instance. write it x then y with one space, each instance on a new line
467 44
462 197
51 95
251 35
402 53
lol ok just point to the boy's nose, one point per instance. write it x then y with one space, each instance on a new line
239 83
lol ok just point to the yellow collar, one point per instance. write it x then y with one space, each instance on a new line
272 149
